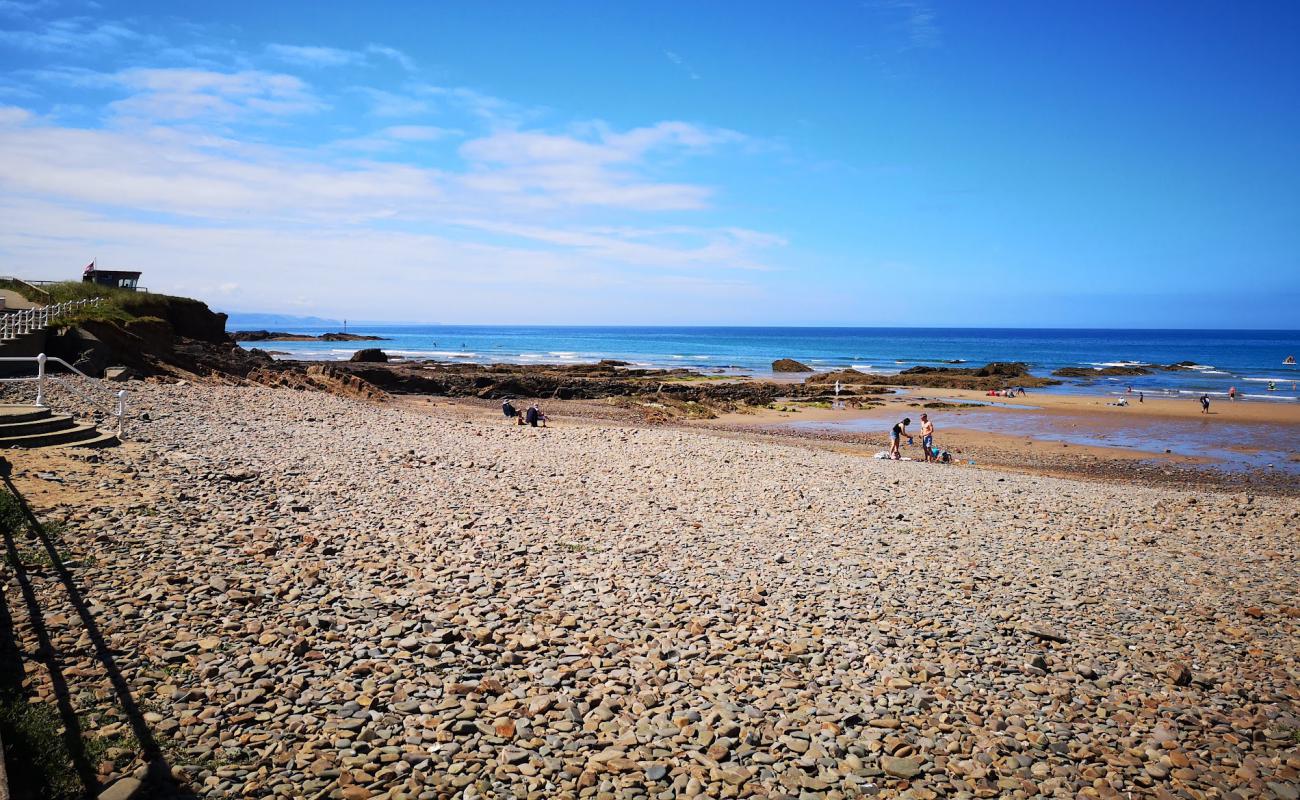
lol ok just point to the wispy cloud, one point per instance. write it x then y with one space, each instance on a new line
675 58
182 94
915 19
170 160
397 136
74 36
393 54
541 168
320 56
314 56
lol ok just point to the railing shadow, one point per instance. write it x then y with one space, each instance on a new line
158 782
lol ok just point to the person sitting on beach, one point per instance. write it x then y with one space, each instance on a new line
535 416
1205 404
927 437
896 435
508 409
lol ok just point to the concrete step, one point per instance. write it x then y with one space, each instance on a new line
102 440
19 413
67 436
49 424
33 426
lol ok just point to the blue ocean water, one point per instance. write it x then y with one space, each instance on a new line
1247 360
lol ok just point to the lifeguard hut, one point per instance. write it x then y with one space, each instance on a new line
117 278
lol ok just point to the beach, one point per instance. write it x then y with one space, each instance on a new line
309 595
1237 444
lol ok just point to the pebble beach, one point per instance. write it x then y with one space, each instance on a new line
312 596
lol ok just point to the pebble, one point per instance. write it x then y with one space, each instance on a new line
315 596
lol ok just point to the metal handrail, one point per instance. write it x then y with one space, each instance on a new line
17 323
119 410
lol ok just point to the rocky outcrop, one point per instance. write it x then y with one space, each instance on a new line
177 337
995 375
564 382
790 365
321 378
370 355
281 336
1095 372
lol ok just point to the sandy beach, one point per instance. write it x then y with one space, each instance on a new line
311 596
1238 444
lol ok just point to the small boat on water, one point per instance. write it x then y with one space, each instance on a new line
1289 361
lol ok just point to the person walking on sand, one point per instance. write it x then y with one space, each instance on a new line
896 435
1232 393
1205 404
927 437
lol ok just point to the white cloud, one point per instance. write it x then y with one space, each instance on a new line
181 94
74 36
539 168
177 177
722 249
321 56
393 54
328 270
314 56
397 136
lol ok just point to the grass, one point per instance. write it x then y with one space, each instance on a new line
118 305
33 737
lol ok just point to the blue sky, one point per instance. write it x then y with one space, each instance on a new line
896 162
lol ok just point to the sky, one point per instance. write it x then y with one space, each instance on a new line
887 162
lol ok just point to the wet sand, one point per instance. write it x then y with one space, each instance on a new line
1242 443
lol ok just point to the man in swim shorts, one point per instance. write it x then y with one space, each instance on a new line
927 437
895 436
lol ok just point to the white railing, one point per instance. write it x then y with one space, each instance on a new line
16 323
118 403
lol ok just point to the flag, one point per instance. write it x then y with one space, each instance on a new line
89 268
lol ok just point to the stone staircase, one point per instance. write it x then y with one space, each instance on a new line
35 426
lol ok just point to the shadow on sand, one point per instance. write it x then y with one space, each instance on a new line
158 781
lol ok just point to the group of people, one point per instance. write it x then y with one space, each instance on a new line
1014 391
896 434
531 416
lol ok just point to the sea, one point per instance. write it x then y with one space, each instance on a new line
1250 361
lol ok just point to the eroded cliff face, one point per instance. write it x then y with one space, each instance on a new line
166 336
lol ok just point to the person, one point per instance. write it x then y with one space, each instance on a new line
1141 397
509 409
1205 404
927 437
896 435
535 416
1232 393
